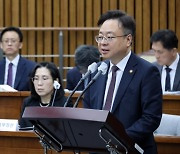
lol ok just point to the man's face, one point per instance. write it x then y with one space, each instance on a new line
10 43
116 48
163 56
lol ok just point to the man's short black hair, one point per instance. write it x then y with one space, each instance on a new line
167 37
127 22
86 55
14 29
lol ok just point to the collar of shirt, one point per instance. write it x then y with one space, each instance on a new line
173 66
14 61
122 64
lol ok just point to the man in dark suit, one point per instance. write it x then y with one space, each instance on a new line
164 43
11 42
84 56
137 95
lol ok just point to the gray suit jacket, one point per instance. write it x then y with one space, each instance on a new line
176 84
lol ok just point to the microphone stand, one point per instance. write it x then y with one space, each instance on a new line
68 99
89 84
54 97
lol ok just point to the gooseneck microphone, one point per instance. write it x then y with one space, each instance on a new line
56 86
102 69
91 69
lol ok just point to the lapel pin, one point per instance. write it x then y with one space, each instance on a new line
130 71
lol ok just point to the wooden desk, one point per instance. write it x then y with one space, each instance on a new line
20 142
171 104
168 144
10 103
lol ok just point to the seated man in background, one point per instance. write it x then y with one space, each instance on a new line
85 55
14 69
164 43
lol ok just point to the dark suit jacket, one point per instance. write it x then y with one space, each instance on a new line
138 102
30 101
73 77
176 84
24 69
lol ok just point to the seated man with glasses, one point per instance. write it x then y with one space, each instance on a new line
14 69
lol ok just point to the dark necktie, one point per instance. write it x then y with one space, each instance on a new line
9 78
168 83
108 102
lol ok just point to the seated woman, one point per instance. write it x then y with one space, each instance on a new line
43 92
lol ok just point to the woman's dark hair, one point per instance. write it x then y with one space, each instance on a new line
55 75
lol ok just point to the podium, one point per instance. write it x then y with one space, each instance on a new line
80 129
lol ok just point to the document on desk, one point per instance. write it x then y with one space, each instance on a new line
7 88
171 93
8 124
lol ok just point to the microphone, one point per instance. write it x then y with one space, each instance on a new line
91 69
56 86
102 69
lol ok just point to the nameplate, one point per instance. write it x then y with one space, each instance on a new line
8 124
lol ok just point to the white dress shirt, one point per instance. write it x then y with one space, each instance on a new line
121 65
173 67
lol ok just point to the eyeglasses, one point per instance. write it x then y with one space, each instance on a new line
99 39
12 41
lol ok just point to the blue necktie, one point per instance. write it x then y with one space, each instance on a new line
9 78
168 83
108 102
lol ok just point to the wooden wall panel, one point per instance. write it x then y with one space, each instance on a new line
72 34
40 34
1 13
150 15
48 34
146 24
24 23
56 21
163 14
171 14
89 22
155 15
31 23
15 13
64 14
138 40
177 21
